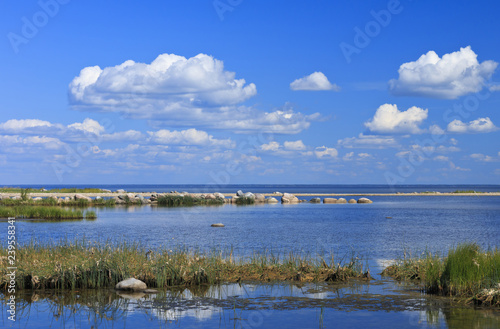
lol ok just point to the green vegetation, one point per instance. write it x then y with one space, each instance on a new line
79 264
244 200
7 189
41 212
467 272
466 191
187 200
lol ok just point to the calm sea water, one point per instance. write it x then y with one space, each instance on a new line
285 188
418 223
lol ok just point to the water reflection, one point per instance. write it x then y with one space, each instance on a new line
249 305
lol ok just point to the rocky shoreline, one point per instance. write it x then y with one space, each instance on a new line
122 197
274 194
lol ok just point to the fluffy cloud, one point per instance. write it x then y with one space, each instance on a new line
281 121
19 142
294 146
325 152
178 91
88 126
185 82
481 125
388 119
22 125
313 82
188 137
272 146
368 141
483 158
454 75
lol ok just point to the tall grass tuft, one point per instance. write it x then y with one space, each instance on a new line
245 200
187 200
467 271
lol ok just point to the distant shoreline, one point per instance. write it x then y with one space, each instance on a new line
145 194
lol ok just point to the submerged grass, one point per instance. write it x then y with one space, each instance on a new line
79 264
31 212
467 272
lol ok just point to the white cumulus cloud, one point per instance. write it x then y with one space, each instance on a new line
481 125
88 126
314 82
294 146
188 137
22 125
325 152
454 75
388 119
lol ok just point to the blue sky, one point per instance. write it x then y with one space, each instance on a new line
238 91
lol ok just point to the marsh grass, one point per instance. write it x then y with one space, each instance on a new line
467 272
80 264
41 212
187 200
244 200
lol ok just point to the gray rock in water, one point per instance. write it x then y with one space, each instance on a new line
120 191
329 200
260 197
98 198
352 201
210 197
131 284
105 190
82 197
315 200
240 193
249 195
289 198
341 200
217 225
219 195
139 196
17 197
365 200
271 200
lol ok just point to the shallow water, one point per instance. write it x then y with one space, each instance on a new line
382 304
417 223
433 222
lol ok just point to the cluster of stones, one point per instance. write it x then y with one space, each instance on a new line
130 198
341 200
257 197
207 196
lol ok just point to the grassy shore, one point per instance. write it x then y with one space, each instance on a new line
72 265
7 189
180 201
466 272
41 212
